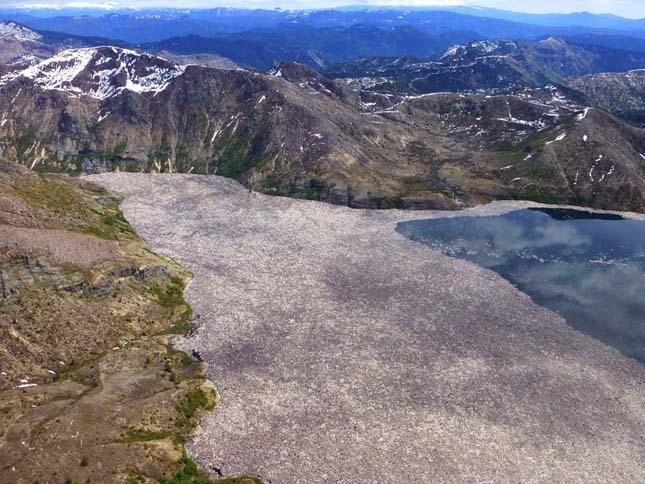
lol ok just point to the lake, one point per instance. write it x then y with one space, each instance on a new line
588 267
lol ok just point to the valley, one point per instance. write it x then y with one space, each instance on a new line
362 244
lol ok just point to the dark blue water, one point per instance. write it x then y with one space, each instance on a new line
588 267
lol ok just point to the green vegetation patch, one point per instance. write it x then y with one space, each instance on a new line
316 189
72 207
241 151
536 194
312 189
114 155
272 183
190 404
388 202
25 143
134 436
240 480
51 193
190 474
509 152
172 295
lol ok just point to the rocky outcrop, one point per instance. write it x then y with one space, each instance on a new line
65 250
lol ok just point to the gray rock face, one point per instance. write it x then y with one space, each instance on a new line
346 353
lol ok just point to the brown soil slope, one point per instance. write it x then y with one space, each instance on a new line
90 388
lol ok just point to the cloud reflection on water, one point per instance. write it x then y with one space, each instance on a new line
592 271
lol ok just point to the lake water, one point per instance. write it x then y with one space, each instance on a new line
588 267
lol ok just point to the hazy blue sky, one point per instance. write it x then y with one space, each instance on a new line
627 8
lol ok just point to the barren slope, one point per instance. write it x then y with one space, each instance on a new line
90 388
620 93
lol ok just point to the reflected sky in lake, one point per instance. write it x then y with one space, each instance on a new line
588 267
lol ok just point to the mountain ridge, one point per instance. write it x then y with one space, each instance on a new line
298 133
100 72
490 65
148 26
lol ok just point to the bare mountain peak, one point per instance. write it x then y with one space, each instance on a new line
100 72
294 71
19 32
554 43
307 77
480 48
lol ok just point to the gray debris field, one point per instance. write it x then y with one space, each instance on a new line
345 353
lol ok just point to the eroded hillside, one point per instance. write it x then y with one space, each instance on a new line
295 132
90 388
621 93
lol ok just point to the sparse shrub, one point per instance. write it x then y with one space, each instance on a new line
172 295
186 360
188 407
189 474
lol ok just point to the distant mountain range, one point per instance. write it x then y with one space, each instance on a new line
500 65
475 121
156 25
578 19
21 46
261 38
317 47
295 132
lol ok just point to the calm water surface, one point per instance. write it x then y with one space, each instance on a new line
588 267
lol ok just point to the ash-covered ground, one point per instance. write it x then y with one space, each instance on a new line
346 353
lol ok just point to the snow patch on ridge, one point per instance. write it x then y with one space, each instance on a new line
583 114
12 29
100 72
